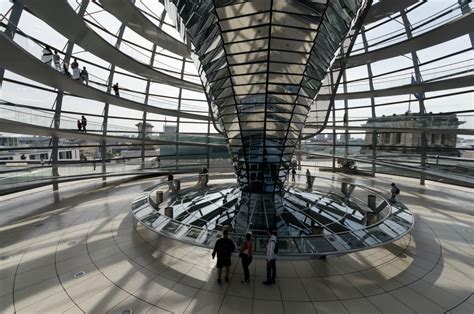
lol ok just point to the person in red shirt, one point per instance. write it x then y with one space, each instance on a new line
246 250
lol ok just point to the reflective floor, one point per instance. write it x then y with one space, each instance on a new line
307 222
78 251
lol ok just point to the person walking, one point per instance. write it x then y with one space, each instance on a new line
47 56
84 124
272 250
116 89
79 125
394 191
85 76
293 174
76 73
57 61
246 250
223 249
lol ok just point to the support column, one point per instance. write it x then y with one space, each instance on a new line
420 97
58 108
10 31
208 163
346 116
372 105
180 93
144 122
103 147
333 106
147 91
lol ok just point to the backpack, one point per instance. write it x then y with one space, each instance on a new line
397 191
276 248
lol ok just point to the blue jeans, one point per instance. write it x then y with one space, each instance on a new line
271 270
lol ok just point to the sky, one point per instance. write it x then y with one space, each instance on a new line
166 60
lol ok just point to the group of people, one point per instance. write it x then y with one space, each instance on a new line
309 178
77 74
225 246
82 124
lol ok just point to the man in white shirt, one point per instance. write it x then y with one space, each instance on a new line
272 250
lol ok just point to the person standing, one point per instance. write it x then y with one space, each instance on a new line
246 250
205 177
116 89
47 55
223 249
293 174
394 191
85 76
171 183
79 125
76 73
57 61
308 179
84 124
66 69
201 171
272 250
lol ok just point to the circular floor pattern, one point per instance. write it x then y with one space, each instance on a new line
90 229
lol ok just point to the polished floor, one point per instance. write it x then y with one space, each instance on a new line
78 250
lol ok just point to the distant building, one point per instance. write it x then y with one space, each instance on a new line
8 141
342 137
321 137
148 129
409 142
170 129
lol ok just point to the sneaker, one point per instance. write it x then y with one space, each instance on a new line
226 279
219 280
267 282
